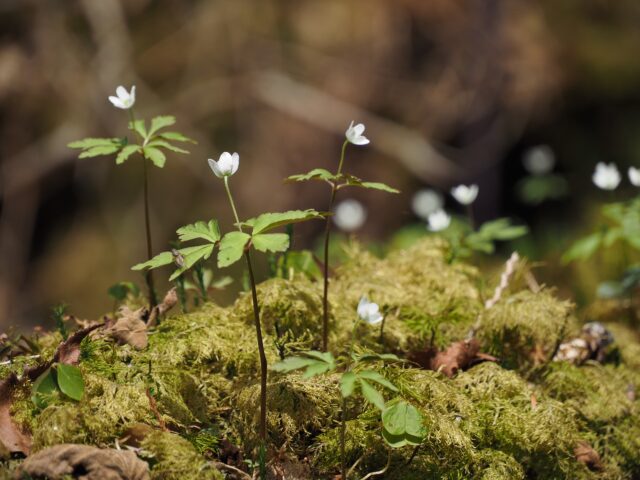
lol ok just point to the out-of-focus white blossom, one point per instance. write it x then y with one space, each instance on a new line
350 215
438 220
606 176
425 202
369 311
539 160
634 176
464 194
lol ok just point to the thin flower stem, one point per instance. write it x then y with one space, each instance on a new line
327 234
472 221
256 316
148 276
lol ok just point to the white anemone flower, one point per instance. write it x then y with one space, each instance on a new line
606 176
355 135
124 99
350 215
634 176
425 202
226 165
539 160
369 311
438 221
465 195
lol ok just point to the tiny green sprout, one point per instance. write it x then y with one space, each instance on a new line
337 181
149 142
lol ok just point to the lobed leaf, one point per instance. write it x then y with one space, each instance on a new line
209 231
167 145
315 174
99 150
271 242
156 156
583 248
160 122
352 181
290 364
269 221
231 248
348 384
126 152
164 258
372 395
175 136
376 377
94 142
190 256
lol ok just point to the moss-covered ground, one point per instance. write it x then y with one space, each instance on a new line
520 417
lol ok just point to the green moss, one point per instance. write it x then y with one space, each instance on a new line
524 328
171 457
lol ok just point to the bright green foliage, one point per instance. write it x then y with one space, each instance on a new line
43 388
152 142
187 257
232 247
484 239
70 381
623 225
402 425
314 363
269 221
340 181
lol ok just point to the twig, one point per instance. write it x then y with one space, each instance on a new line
154 408
509 268
231 468
379 472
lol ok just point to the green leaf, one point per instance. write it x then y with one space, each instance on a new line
583 248
167 145
99 150
402 424
164 258
290 364
326 357
120 290
316 369
44 386
160 122
271 242
269 221
315 174
209 231
156 156
222 282
369 357
95 142
376 377
372 395
190 256
348 384
175 137
139 127
231 248
352 181
70 381
126 152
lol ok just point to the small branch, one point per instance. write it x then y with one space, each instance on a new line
231 468
379 472
154 408
509 268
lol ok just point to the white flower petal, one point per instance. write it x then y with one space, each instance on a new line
214 166
438 221
425 202
235 162
349 215
634 176
117 102
121 92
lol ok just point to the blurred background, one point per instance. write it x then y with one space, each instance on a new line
451 91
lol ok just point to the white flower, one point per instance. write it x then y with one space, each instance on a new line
369 311
606 176
350 215
634 176
539 160
124 99
438 220
425 202
354 134
465 195
226 166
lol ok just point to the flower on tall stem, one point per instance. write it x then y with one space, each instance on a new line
369 311
355 135
226 165
606 176
124 99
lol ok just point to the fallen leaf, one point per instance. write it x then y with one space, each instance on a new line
84 462
68 352
585 453
457 356
12 439
129 328
168 302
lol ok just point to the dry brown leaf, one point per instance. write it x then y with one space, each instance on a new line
168 302
84 462
458 356
585 453
130 328
69 351
12 439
